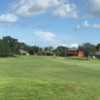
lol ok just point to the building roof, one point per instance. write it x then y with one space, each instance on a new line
97 53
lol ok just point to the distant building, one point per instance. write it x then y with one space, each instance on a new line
23 52
76 52
97 54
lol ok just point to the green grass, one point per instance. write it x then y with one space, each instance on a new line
49 78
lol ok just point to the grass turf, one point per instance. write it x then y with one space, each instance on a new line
49 78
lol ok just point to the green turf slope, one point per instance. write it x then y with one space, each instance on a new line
49 78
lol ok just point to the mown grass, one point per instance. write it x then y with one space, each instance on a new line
49 78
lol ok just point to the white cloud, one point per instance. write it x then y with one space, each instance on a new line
33 7
47 36
51 39
94 8
87 25
61 8
27 8
8 18
74 45
67 10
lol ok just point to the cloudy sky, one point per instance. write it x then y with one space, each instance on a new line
51 22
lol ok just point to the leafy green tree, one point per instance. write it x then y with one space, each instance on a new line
89 49
48 51
60 51
98 47
4 49
12 44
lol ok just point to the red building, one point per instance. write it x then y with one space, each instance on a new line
76 52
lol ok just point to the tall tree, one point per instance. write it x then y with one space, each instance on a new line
89 49
60 51
98 47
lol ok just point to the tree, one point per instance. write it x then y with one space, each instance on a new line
34 50
48 51
4 49
98 47
12 44
60 51
89 49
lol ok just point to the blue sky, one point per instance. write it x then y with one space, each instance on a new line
51 22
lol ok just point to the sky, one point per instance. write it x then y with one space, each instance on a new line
51 22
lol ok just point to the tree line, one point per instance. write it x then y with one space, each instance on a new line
11 47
